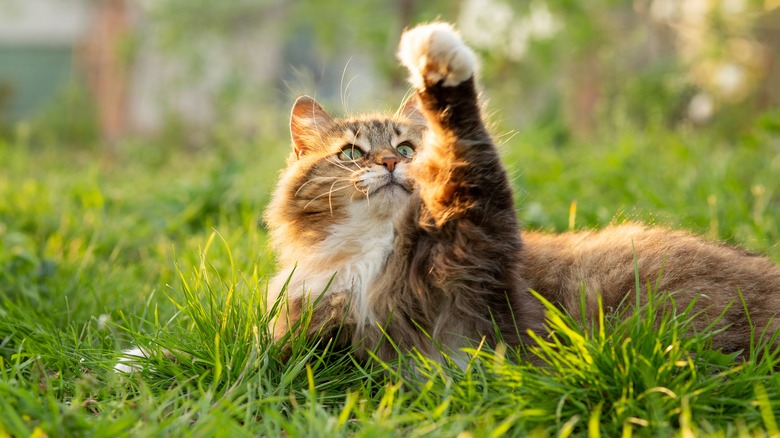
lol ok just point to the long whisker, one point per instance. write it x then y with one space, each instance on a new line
368 196
341 86
326 194
342 165
330 198
346 94
316 178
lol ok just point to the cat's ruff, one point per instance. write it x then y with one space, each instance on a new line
361 246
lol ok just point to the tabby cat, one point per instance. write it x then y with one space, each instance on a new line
404 227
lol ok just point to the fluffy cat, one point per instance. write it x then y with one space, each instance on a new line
404 227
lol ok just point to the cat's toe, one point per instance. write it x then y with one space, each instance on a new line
435 53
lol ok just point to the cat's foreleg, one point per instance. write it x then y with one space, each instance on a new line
458 167
471 241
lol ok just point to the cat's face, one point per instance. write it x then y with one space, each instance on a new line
345 179
358 162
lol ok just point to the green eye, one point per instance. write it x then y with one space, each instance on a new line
350 153
405 149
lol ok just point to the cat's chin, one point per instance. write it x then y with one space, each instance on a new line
390 198
393 188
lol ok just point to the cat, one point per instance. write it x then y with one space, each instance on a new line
399 232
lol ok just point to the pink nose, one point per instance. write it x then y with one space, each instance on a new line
390 163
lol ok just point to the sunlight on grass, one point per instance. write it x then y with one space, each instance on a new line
172 257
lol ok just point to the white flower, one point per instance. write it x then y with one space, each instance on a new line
701 108
542 24
729 78
103 320
485 23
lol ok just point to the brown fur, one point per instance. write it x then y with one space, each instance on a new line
437 258
603 263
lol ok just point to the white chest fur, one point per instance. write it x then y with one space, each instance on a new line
350 259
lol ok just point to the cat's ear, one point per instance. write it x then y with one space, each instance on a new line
410 110
308 123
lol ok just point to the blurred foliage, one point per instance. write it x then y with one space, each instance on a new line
640 59
581 67
644 61
70 120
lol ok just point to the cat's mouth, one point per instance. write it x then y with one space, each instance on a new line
392 185
385 184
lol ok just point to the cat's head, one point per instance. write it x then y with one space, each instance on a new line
343 167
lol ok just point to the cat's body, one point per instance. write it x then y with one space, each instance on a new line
605 263
407 223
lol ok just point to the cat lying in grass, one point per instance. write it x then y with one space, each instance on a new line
403 227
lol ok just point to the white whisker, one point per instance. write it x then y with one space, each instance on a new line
346 93
330 198
344 90
325 194
316 178
341 165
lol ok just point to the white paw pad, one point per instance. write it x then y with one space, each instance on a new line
435 52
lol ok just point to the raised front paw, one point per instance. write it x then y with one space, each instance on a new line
435 52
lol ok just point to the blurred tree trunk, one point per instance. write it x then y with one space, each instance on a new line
583 94
768 33
107 71
405 12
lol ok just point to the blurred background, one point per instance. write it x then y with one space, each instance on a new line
99 72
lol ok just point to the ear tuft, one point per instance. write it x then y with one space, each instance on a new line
308 123
411 110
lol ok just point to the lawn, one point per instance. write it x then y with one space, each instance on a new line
163 246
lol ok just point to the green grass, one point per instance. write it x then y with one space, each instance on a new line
163 247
